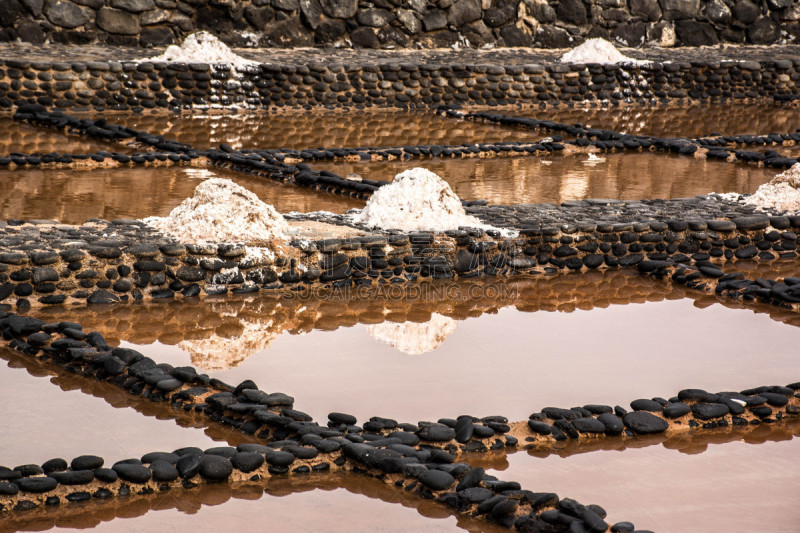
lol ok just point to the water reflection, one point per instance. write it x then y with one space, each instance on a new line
414 338
333 503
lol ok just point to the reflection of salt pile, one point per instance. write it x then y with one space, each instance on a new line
203 47
417 200
220 353
780 194
598 51
414 338
223 212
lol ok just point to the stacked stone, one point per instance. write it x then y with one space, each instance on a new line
129 85
288 23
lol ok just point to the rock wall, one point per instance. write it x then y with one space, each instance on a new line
402 23
127 85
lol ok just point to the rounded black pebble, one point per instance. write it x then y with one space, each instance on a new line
163 470
504 508
540 427
189 465
436 479
708 411
677 410
622 527
8 489
81 496
646 405
86 462
279 459
133 473
106 474
644 423
54 465
613 423
222 451
247 461
342 418
37 485
169 457
215 468
74 477
464 429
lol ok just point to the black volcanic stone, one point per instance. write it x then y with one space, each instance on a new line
436 479
774 399
589 425
86 462
247 461
54 465
471 479
540 427
134 473
279 458
74 477
342 418
708 411
613 423
436 433
169 457
164 470
646 405
215 468
37 485
106 474
676 410
645 423
189 465
8 489
475 494
464 429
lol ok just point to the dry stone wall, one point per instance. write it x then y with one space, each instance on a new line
402 23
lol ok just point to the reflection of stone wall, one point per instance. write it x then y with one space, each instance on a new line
432 24
245 326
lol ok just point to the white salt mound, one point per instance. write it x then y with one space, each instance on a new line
223 212
414 338
598 51
202 47
417 200
780 194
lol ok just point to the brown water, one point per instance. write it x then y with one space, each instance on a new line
332 129
335 503
688 119
737 481
73 196
28 139
425 355
628 176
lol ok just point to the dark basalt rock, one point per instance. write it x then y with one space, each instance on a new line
644 423
215 467
86 462
708 411
164 470
676 410
436 479
37 485
134 473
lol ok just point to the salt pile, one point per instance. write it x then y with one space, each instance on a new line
414 338
223 212
417 200
598 51
203 47
780 194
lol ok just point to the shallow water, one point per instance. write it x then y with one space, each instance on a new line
420 360
624 176
335 503
74 196
737 481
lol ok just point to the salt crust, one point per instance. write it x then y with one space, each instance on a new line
417 200
414 338
203 47
598 51
223 212
780 194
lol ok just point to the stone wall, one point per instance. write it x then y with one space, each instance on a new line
402 23
128 85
